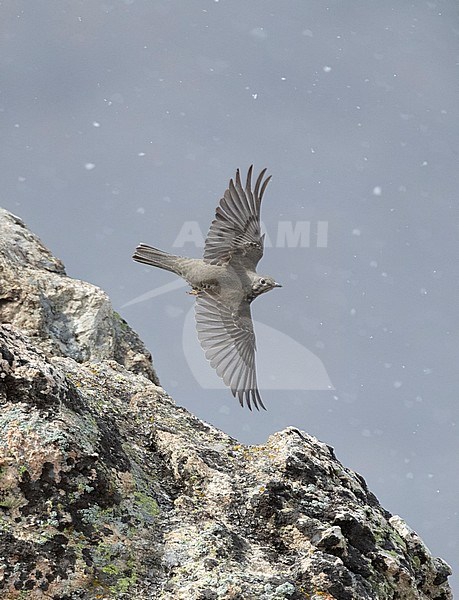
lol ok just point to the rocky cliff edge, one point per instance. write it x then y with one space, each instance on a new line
109 490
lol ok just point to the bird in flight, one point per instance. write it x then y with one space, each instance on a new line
225 283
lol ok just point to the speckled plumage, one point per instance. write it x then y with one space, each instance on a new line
225 283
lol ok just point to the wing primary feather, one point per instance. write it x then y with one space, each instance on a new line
267 180
243 198
258 183
248 183
242 377
239 202
249 193
260 401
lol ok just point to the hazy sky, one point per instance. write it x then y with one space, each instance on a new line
122 121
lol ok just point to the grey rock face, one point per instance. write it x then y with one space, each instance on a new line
63 316
109 490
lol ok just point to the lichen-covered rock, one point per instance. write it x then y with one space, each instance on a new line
78 495
63 316
109 490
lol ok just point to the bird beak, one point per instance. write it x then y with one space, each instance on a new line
277 284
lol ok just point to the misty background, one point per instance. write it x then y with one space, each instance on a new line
122 121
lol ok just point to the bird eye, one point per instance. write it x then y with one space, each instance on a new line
262 281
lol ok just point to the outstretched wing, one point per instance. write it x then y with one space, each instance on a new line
234 234
228 340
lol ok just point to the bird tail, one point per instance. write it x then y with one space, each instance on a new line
157 258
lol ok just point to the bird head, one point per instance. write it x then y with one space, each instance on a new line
262 284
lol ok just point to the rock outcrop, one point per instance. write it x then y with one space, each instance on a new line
109 490
61 315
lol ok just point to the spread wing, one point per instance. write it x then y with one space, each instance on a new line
234 234
228 340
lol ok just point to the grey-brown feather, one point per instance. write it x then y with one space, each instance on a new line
235 233
225 282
